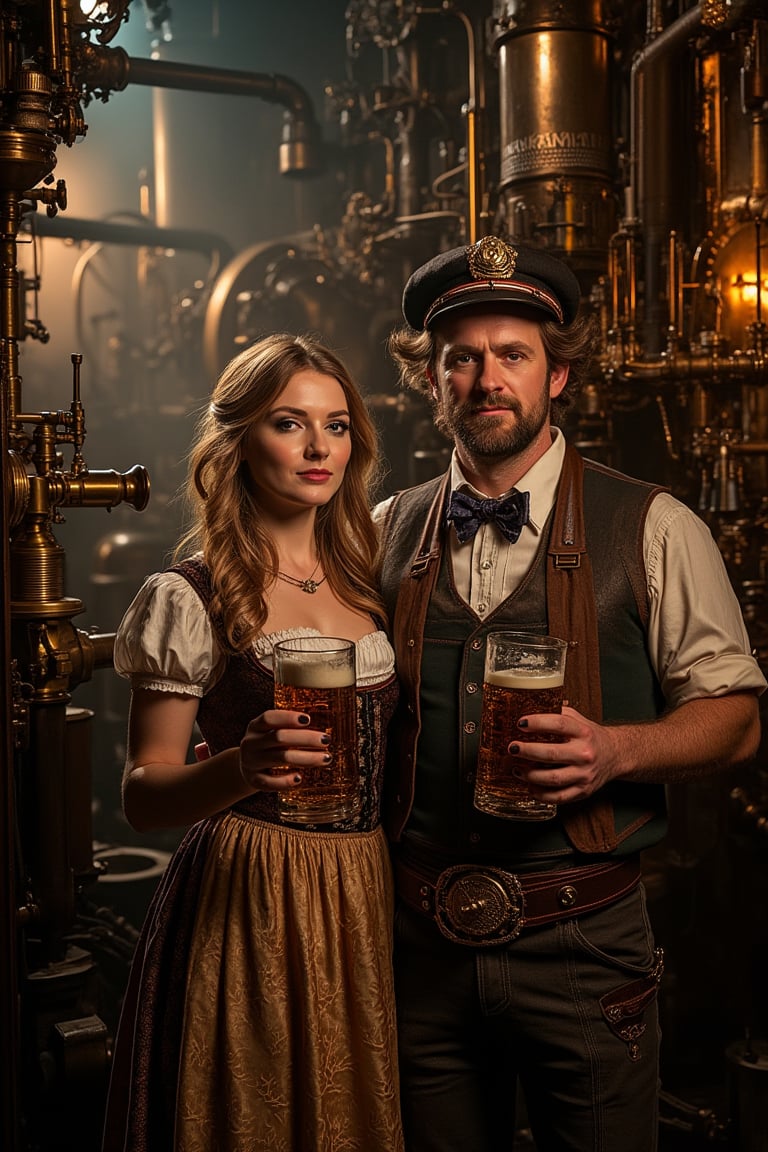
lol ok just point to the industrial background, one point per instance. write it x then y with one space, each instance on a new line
175 180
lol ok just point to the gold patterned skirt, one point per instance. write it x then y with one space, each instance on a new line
288 1040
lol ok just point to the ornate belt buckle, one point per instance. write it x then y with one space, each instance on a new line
479 906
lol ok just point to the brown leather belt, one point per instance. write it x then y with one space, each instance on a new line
480 905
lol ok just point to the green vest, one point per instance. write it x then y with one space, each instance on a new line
434 806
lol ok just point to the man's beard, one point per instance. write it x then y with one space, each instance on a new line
488 436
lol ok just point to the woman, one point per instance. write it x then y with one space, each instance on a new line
259 1011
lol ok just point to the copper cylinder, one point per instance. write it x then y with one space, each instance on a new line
557 164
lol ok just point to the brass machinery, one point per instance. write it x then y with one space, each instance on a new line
630 139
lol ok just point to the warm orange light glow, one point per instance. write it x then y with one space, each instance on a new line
745 287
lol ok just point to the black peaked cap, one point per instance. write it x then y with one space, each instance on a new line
492 271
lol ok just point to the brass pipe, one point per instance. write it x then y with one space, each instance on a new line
475 154
9 946
114 69
650 155
742 367
272 87
631 259
475 112
749 447
675 287
141 234
613 280
101 489
759 159
9 296
27 155
53 36
754 74
650 176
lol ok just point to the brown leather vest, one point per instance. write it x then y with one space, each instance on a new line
572 612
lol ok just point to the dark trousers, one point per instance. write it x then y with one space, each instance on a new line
569 1010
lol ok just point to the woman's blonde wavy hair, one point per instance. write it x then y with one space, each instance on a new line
223 507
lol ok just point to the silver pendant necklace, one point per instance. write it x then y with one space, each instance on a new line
310 585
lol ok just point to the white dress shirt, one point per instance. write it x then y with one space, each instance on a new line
697 641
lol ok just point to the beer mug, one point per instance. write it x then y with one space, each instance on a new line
316 675
523 674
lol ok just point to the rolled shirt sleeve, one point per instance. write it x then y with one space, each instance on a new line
165 641
697 639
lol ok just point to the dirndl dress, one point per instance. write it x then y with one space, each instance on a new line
259 1012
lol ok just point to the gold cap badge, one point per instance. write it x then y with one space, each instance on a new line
491 259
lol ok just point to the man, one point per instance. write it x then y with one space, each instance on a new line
523 948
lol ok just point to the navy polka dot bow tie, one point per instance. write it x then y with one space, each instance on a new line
467 513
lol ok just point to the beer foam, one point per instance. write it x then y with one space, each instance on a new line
316 674
515 678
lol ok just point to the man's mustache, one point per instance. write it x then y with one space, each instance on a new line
509 404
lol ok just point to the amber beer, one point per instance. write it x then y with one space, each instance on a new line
522 676
321 682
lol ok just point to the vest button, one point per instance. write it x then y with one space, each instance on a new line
470 727
471 687
474 837
476 645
